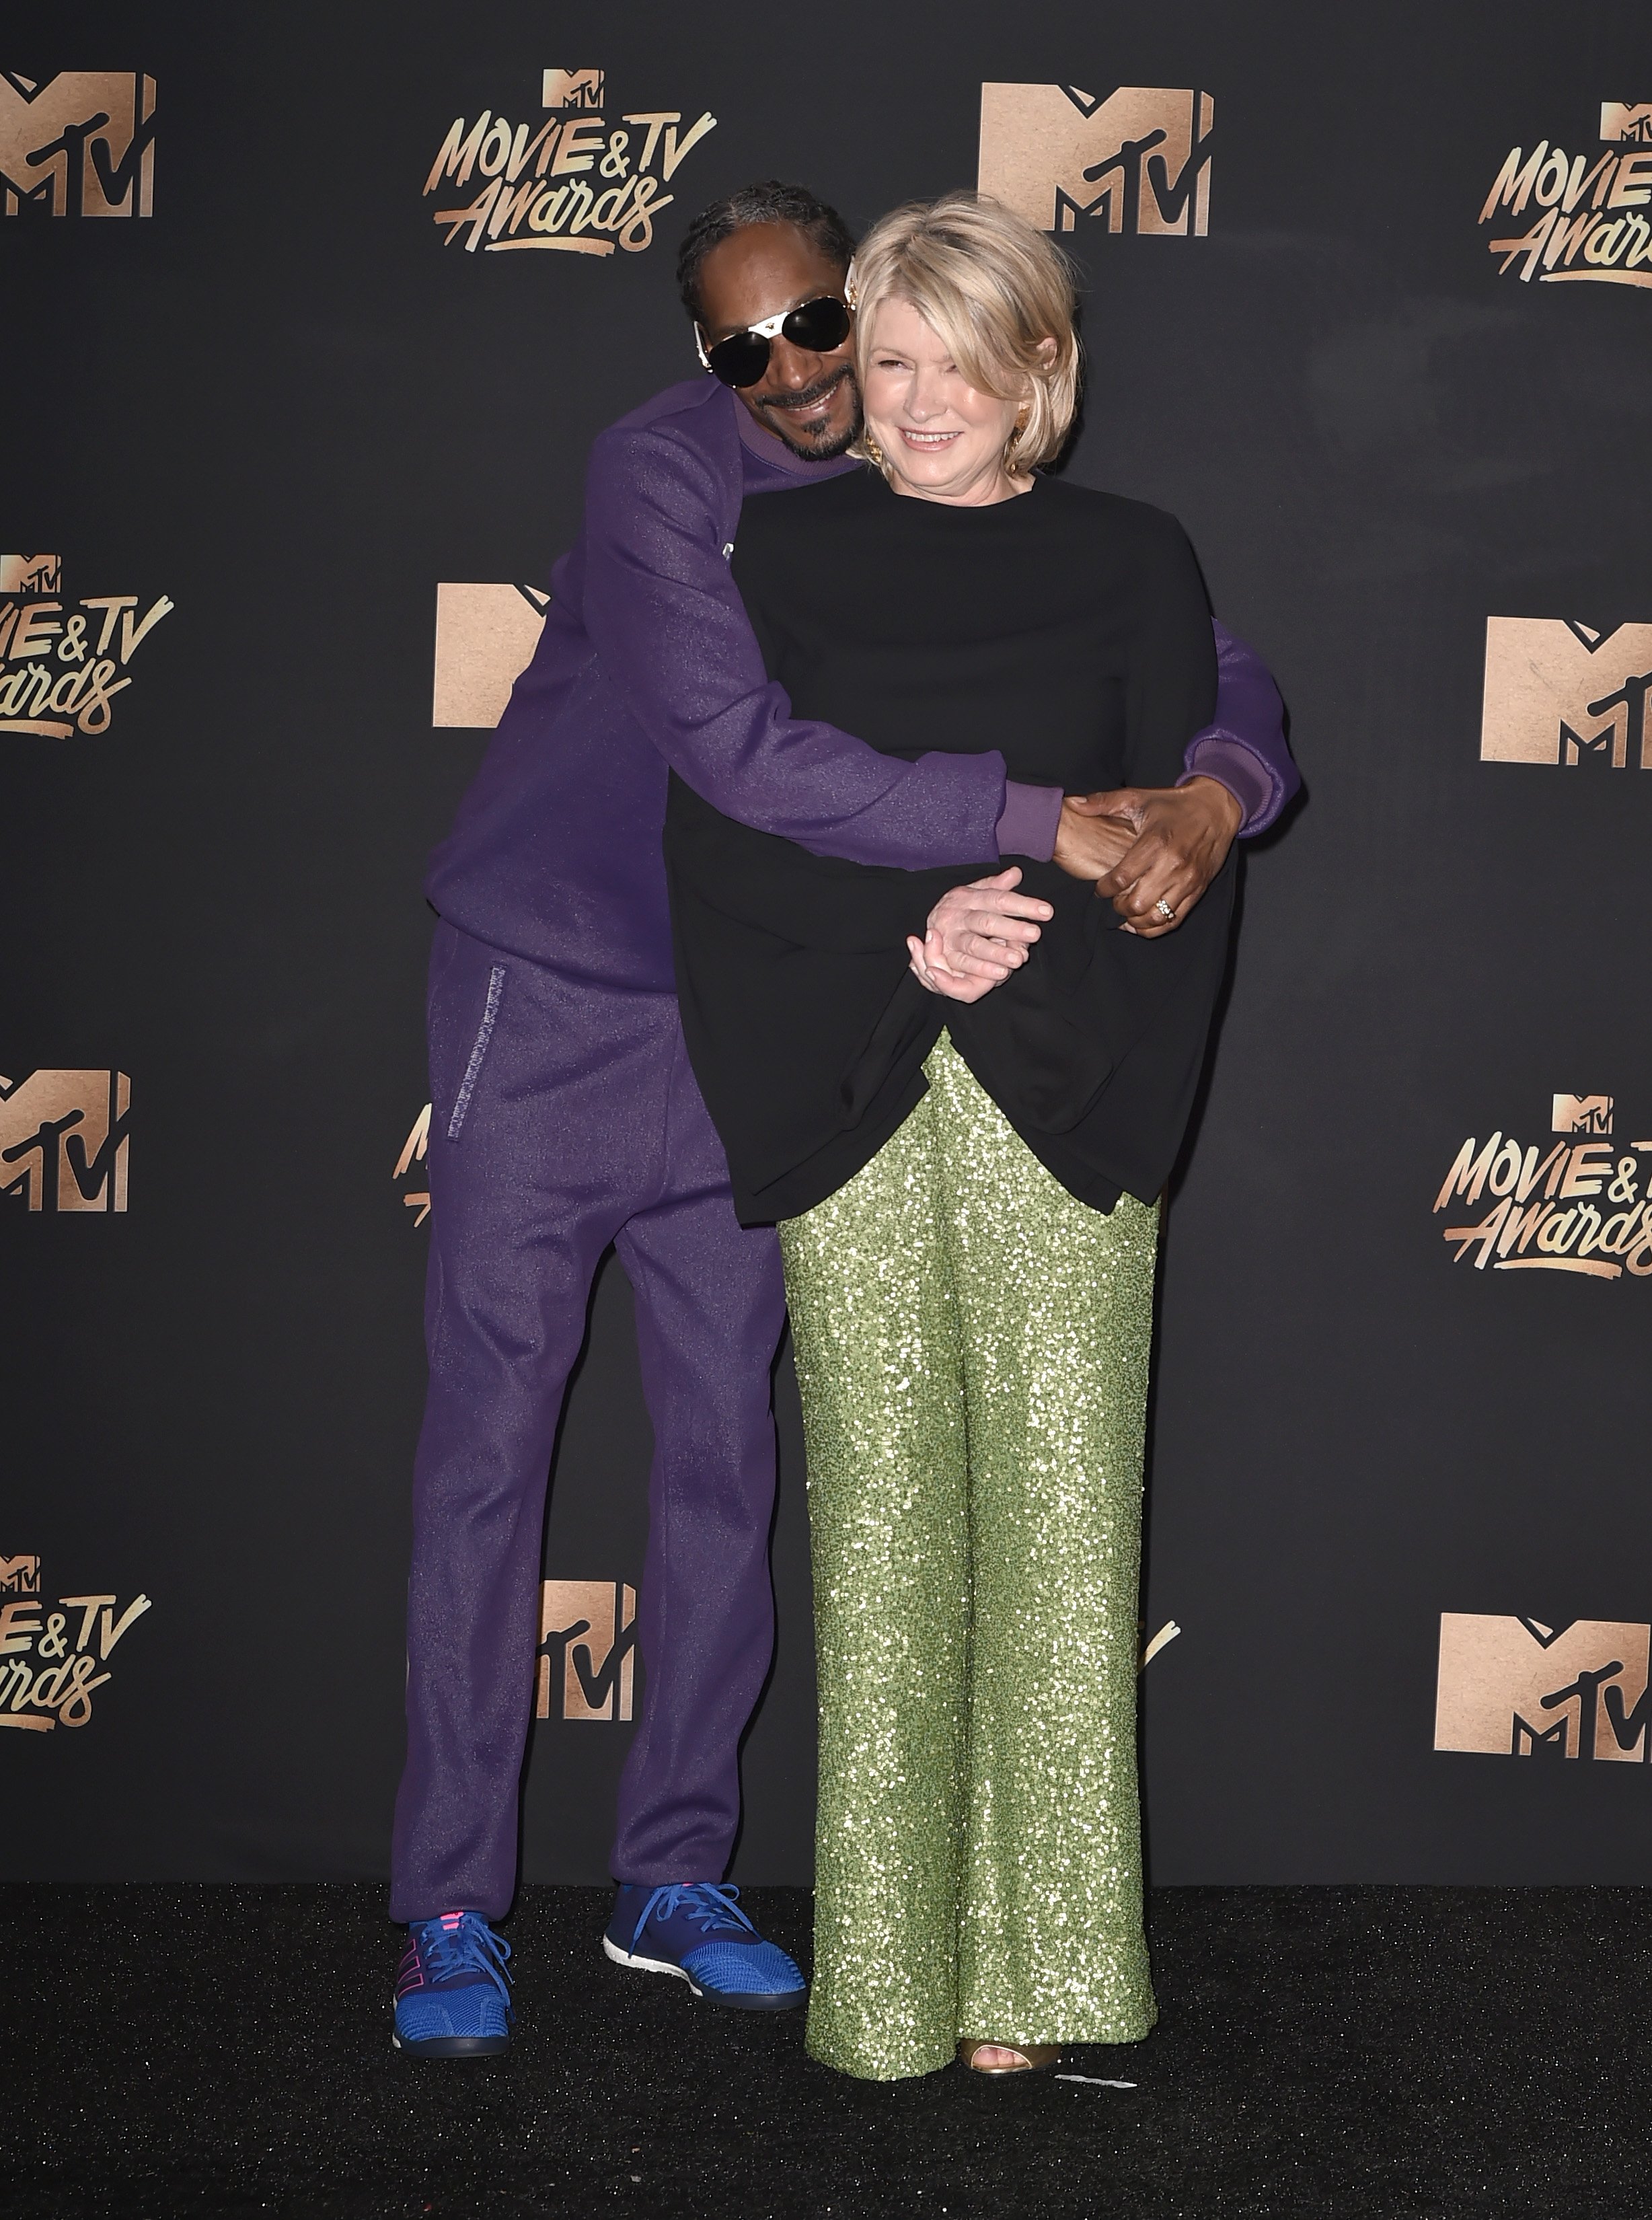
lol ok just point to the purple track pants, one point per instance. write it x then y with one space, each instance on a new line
565 1118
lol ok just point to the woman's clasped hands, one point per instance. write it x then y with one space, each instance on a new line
976 935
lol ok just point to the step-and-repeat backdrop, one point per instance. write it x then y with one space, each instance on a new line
310 315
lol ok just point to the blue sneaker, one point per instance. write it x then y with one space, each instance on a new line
452 1995
696 1931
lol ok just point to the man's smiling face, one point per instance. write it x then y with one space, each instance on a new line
809 400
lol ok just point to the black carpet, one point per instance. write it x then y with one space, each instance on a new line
1404 2054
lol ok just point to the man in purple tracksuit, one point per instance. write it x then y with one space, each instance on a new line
565 1116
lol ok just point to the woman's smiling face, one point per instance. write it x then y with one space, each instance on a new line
941 438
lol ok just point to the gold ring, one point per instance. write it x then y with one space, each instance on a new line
1165 910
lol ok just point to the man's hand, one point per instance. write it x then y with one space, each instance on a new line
976 936
1088 846
1181 835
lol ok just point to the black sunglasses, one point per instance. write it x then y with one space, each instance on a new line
740 359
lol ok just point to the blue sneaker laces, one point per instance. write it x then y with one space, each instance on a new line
469 1946
712 1904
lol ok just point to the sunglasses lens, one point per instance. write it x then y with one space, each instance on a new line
818 325
740 359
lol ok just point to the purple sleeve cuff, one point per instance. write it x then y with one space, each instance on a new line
1250 726
1027 824
1233 765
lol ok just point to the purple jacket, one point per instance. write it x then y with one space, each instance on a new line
647 663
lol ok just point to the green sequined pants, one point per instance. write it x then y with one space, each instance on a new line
972 1346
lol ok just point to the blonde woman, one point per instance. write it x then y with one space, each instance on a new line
965 1177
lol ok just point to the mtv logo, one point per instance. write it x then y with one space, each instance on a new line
1621 119
576 89
588 1644
19 1575
63 1140
1558 692
1582 1113
81 143
31 574
1513 1687
485 638
1139 160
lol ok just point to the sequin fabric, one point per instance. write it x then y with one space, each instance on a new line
972 1346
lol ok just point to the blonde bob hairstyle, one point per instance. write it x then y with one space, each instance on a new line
994 290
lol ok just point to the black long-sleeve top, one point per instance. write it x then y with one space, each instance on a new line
1069 629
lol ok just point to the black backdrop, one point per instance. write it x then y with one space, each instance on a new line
282 402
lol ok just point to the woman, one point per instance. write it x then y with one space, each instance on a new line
965 1188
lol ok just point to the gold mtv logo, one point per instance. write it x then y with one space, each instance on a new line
1626 120
1138 160
587 1650
1558 692
1582 1113
63 1139
485 638
1514 1687
573 89
19 1575
31 574
81 143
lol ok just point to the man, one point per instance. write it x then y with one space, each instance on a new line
565 1116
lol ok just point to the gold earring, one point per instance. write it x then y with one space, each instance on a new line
873 450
